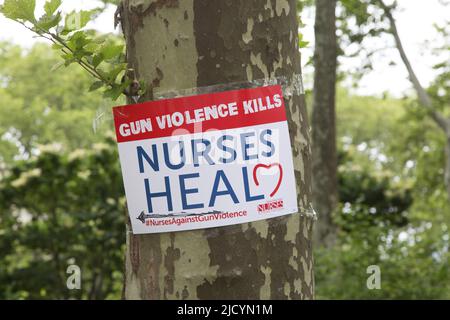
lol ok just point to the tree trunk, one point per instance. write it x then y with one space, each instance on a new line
324 164
193 43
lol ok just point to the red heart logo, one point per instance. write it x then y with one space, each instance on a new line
280 168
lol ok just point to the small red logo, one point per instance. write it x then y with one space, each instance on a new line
270 206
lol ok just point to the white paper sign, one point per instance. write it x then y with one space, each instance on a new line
207 160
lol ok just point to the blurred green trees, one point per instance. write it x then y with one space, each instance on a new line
61 195
41 105
59 209
394 211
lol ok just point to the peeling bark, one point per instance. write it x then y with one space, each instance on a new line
193 43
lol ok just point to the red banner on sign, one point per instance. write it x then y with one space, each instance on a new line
201 113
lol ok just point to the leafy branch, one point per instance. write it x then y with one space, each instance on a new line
103 58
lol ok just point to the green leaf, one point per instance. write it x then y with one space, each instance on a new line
112 74
57 46
303 44
68 58
46 22
92 46
68 62
77 20
51 6
97 59
142 86
96 85
78 40
113 92
110 51
21 10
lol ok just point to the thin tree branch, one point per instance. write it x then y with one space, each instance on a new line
56 39
423 96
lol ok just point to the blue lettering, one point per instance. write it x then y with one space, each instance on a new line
185 192
267 143
248 196
167 156
229 150
246 146
166 194
205 153
220 175
142 154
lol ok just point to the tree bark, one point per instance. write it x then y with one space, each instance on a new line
185 44
324 157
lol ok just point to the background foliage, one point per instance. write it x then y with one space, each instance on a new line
393 210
